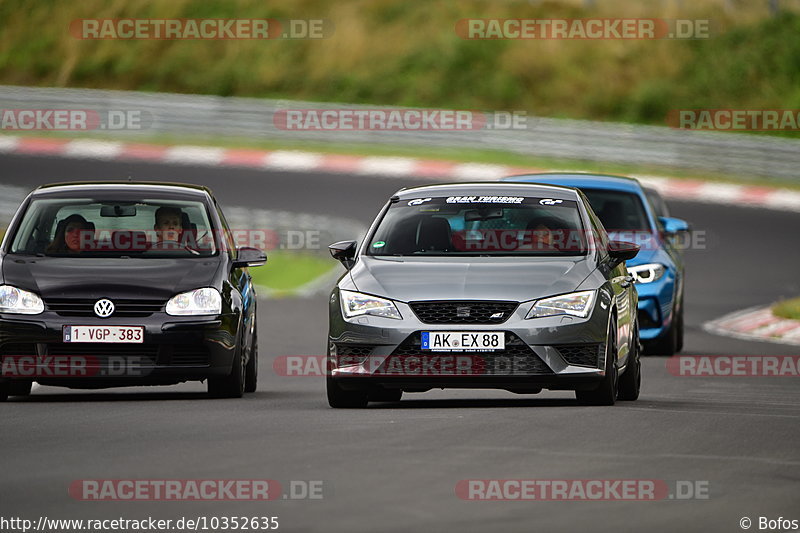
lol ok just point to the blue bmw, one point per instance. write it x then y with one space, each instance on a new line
627 211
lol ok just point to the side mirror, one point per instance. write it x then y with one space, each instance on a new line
249 257
673 226
344 251
620 251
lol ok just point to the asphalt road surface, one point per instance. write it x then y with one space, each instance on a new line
395 466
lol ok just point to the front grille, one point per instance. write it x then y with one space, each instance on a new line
100 353
17 349
516 359
189 355
352 354
581 354
122 307
463 312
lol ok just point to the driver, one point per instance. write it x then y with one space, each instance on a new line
169 224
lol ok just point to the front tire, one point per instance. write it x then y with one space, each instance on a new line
251 372
386 395
4 391
631 381
339 398
606 392
232 385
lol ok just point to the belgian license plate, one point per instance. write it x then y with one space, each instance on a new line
115 334
459 341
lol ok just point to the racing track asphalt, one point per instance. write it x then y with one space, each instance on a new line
394 467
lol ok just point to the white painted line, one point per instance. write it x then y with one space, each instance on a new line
93 149
480 172
783 199
720 193
8 143
293 160
194 155
387 166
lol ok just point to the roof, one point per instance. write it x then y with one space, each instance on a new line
493 188
582 180
123 186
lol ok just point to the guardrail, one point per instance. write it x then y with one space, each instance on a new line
734 154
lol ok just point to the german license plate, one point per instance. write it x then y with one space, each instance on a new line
108 334
460 341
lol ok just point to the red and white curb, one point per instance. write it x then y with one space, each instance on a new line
756 324
406 167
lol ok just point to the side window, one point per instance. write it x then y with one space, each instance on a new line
599 235
229 243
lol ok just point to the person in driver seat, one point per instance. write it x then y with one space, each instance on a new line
169 225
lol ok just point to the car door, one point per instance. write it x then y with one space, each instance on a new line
624 294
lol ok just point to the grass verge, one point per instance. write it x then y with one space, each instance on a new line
286 272
787 309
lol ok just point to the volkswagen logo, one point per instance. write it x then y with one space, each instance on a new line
103 308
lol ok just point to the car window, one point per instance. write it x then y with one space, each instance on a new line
480 225
658 203
618 211
113 227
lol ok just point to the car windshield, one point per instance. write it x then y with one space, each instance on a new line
113 227
479 225
618 211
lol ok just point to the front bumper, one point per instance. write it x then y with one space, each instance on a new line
560 353
656 306
174 350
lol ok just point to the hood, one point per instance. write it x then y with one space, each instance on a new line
66 277
480 278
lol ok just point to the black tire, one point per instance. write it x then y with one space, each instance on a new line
606 392
251 371
386 395
631 381
4 391
338 398
20 388
679 332
232 385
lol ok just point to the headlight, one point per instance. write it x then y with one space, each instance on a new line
14 300
205 301
357 304
647 273
574 303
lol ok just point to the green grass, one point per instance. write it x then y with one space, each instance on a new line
286 271
406 52
787 309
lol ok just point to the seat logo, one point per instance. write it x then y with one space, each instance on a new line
103 308
462 311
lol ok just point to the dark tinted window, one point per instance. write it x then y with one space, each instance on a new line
480 225
618 211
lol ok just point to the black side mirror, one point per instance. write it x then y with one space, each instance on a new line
344 251
620 251
249 257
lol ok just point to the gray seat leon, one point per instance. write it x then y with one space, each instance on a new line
483 285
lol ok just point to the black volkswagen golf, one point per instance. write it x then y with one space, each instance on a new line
109 284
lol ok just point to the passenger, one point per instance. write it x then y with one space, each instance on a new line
71 235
